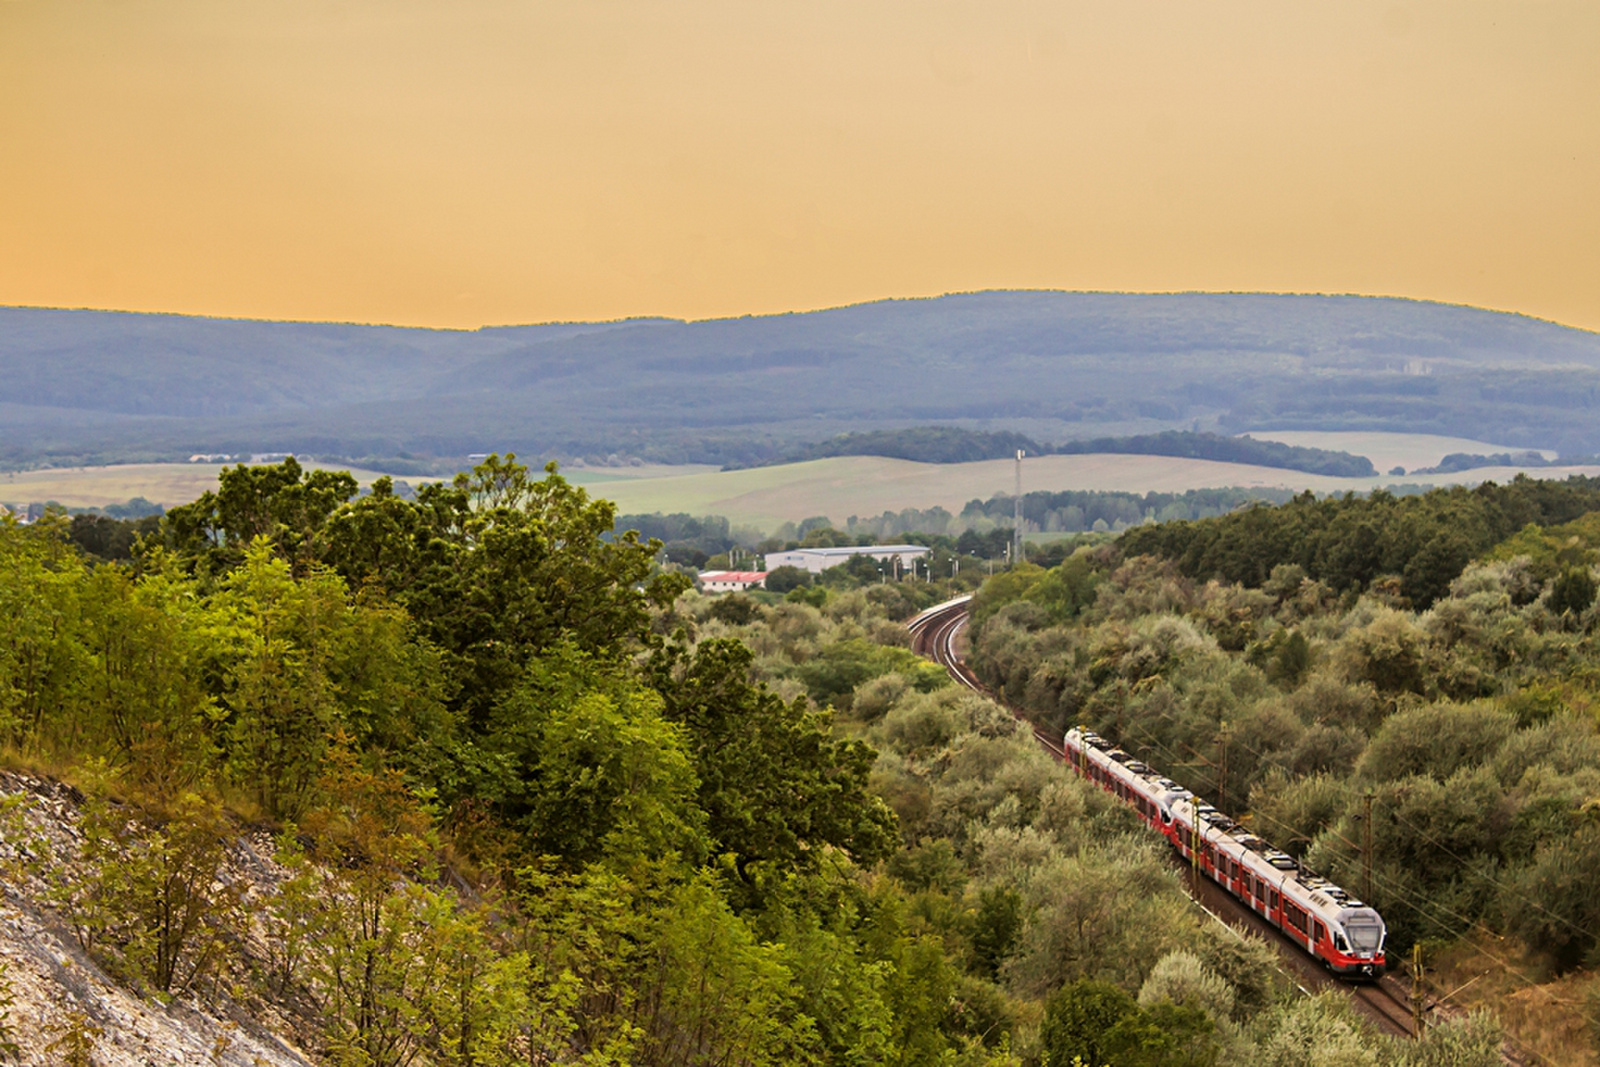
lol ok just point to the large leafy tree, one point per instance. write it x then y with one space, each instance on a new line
282 502
497 567
777 788
581 763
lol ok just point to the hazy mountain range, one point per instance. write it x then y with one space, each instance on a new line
89 386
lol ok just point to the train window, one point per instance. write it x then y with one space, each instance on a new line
1273 893
1320 931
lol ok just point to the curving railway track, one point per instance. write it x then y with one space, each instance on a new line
937 633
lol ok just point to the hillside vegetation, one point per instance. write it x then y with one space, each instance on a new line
461 781
100 386
1428 659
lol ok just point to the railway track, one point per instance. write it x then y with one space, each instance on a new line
936 635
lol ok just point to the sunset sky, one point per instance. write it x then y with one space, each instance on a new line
476 161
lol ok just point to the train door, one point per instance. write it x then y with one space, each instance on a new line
1319 934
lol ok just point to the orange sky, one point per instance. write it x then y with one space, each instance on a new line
486 161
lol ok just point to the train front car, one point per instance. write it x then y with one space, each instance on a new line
1346 934
1357 943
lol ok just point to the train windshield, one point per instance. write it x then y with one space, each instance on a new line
1365 936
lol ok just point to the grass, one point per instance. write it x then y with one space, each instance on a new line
1543 1016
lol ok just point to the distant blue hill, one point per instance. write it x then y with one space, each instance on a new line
86 386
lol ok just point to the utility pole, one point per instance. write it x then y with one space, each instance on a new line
1222 772
1019 557
1366 848
1419 991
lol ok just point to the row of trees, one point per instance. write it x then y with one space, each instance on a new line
1421 541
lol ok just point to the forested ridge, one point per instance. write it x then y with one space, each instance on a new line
1429 659
524 799
953 444
103 387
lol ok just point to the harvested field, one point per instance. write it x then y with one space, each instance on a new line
766 497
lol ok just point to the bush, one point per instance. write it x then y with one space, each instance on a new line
1573 592
784 579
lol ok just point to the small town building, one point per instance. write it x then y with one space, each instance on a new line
731 581
817 560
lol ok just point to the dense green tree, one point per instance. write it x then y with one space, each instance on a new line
282 502
1573 592
1350 542
143 699
588 769
107 539
1555 902
1078 1021
777 789
497 566
783 579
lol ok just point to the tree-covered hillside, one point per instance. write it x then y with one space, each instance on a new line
1429 660
1053 366
952 444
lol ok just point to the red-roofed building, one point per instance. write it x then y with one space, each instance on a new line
731 581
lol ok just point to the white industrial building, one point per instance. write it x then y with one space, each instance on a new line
817 560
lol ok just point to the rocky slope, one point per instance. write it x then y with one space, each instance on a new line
59 994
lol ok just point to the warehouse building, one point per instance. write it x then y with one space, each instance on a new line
817 560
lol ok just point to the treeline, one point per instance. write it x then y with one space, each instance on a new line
1080 510
1455 462
1223 449
1466 728
1072 511
952 444
1422 542
921 444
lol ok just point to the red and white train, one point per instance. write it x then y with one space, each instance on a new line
1329 923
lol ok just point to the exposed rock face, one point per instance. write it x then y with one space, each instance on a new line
58 991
